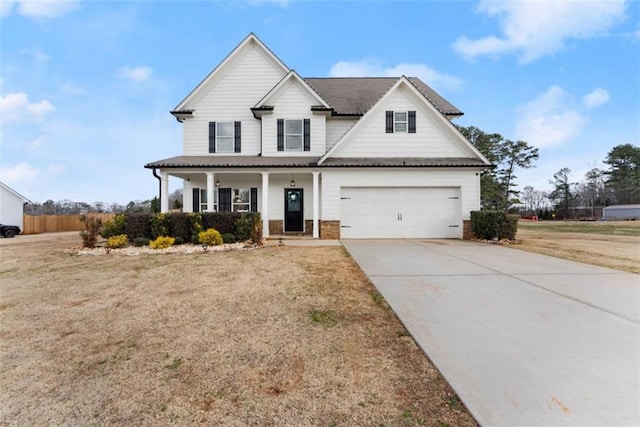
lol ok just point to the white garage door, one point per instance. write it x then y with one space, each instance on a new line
400 213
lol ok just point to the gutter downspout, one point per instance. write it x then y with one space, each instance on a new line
159 189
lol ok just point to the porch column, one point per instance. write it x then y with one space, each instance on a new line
265 204
210 189
316 204
164 192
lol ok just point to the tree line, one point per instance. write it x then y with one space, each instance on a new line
69 207
616 183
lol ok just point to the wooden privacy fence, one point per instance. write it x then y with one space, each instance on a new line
36 224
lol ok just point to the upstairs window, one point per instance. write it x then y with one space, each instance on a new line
400 122
225 137
294 135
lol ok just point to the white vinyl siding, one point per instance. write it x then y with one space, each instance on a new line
433 138
336 128
293 102
233 94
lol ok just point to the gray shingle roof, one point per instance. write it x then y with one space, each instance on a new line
301 162
355 95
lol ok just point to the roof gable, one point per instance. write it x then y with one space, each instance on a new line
281 86
403 83
356 95
198 92
13 192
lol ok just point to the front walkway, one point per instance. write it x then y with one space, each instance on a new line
524 339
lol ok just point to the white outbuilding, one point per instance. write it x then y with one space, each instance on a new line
621 212
11 206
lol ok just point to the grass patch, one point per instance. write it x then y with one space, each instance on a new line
614 228
325 318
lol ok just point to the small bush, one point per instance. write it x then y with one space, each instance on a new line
162 242
210 237
113 227
490 225
120 241
92 227
229 238
179 241
180 227
224 222
137 225
140 241
160 224
244 227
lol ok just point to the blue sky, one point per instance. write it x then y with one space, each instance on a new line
86 86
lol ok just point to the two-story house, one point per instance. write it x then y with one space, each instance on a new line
328 157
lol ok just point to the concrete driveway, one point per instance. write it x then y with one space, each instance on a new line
524 339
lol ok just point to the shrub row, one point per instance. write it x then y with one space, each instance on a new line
184 227
490 225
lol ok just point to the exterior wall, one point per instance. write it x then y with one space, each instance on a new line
621 212
330 230
294 102
238 89
433 138
333 180
336 128
11 208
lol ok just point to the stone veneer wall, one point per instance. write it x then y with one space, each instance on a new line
467 232
330 230
276 227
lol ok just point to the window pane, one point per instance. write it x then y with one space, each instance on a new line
241 208
293 142
293 127
401 117
401 127
225 129
241 195
224 145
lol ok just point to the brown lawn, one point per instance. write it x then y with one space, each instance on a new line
613 244
274 336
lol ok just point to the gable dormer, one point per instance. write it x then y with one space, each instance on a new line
218 110
293 119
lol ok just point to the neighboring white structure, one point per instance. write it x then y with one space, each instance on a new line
11 206
621 212
330 157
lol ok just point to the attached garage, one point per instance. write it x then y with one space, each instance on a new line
415 212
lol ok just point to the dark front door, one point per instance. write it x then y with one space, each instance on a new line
293 211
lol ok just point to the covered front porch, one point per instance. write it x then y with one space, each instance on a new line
287 199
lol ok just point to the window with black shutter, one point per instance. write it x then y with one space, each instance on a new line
412 121
237 146
280 134
254 199
224 199
307 134
389 121
196 200
212 137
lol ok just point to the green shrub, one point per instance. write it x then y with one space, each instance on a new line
229 238
160 224
140 241
180 227
490 225
113 227
162 242
179 241
211 237
90 232
195 226
120 241
224 222
137 225
244 227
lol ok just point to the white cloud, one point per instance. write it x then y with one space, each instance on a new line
550 119
36 143
374 68
534 28
16 106
22 175
136 74
69 88
38 8
595 98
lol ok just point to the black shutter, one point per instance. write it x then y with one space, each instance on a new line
389 121
307 134
412 122
237 146
254 200
196 200
224 199
280 134
212 137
